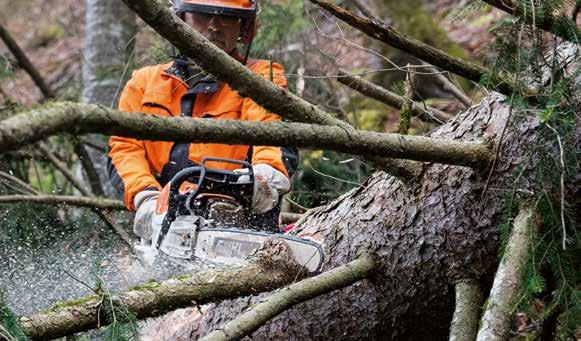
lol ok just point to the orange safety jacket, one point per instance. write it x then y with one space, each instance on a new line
173 89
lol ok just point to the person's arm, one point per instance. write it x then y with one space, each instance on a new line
128 168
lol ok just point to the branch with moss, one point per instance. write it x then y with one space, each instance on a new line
405 114
294 294
504 84
271 267
76 118
560 25
383 95
25 63
496 320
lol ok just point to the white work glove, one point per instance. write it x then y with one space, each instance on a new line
145 203
269 184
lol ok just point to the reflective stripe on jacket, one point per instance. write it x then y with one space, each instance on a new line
135 165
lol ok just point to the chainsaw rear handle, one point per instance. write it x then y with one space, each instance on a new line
202 177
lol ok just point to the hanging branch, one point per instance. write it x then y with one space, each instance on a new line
560 25
292 295
495 323
405 114
78 118
25 63
266 271
469 301
89 167
387 34
383 95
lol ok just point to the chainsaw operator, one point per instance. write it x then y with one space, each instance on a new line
141 168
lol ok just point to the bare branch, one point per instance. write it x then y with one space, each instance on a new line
560 25
89 167
26 187
450 87
25 63
78 118
392 99
91 202
387 34
495 323
469 301
294 294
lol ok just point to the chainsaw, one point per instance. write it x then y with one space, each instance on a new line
208 223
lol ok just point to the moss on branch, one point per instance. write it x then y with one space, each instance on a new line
78 118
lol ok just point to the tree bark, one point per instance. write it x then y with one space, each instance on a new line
110 29
428 234
78 119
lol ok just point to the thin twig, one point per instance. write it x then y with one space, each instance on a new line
16 180
296 204
338 179
563 170
79 281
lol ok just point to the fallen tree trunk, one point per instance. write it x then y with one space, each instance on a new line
429 234
84 118
272 267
